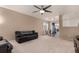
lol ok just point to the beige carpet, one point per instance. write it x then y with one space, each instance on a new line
44 44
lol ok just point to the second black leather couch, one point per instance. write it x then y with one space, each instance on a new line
23 36
5 46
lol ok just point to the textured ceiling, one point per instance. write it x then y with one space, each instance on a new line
56 10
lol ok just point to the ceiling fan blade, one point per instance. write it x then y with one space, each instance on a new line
37 7
48 11
35 11
47 7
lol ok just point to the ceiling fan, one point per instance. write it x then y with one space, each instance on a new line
42 9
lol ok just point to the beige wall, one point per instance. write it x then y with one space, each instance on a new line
39 26
68 33
11 21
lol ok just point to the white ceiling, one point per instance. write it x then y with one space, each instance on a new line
56 10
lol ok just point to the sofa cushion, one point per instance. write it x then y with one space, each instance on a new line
27 32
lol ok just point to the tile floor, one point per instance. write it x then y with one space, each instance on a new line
44 44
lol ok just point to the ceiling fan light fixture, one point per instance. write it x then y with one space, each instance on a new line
42 11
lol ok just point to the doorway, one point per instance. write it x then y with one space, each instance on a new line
45 27
54 26
48 27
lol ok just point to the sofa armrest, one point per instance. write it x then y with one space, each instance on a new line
36 33
9 45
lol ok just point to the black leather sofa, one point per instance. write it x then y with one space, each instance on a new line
23 36
5 46
76 43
